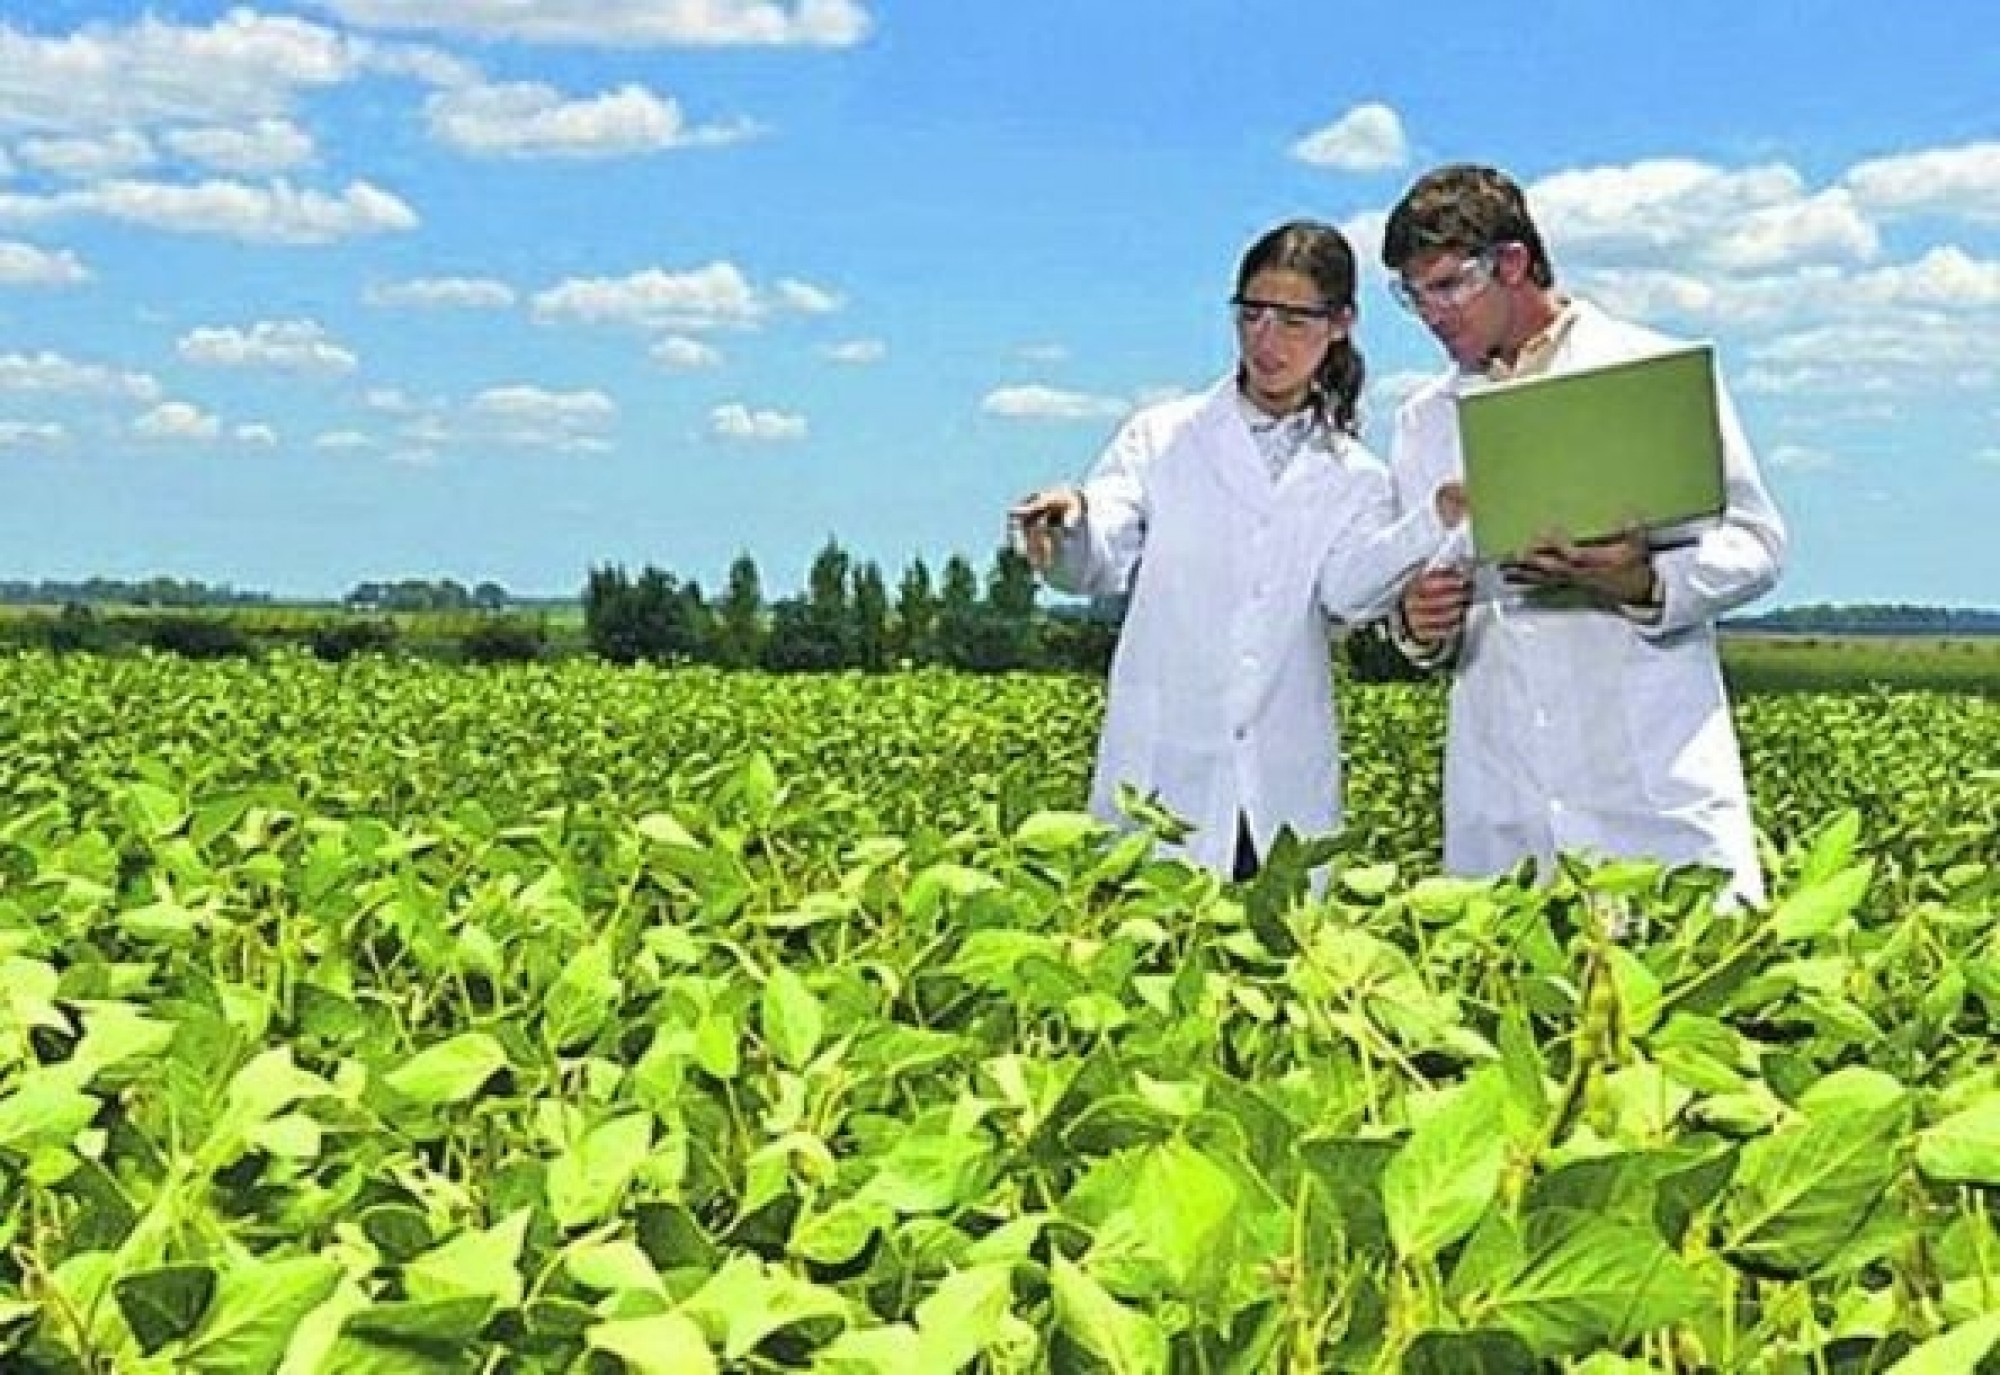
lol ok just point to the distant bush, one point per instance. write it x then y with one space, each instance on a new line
503 641
338 641
194 637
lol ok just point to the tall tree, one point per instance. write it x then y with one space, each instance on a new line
740 630
871 619
915 638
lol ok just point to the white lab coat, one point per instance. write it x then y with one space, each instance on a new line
1221 693
1582 729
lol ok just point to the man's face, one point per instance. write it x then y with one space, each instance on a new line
1455 295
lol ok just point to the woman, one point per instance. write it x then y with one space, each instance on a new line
1244 523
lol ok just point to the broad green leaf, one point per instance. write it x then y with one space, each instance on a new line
160 1305
1592 1281
1965 1147
256 1305
450 1071
1186 1208
659 1344
931 1171
1128 1340
610 1266
1818 907
663 828
1054 833
791 1018
1448 1172
587 1181
47 1107
1961 1351
744 1302
1801 1193
480 1261
582 998
962 1317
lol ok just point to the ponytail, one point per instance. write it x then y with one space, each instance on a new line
1337 386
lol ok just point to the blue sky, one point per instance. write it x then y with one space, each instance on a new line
297 295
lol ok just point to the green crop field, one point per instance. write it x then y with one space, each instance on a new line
387 1016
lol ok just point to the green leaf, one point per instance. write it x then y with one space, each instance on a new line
1592 1281
256 1306
791 1018
587 1181
1961 1351
964 1315
483 1262
1448 1172
1185 1207
745 1302
582 998
1127 1340
1965 1147
447 1322
1054 833
659 1344
450 1071
663 828
1801 1193
161 1305
1818 907
1469 1353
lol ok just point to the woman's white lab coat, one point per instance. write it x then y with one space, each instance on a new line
1221 693
1582 729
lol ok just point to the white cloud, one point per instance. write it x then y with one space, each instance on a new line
24 264
1036 402
177 420
526 119
1368 138
806 298
856 351
88 157
287 345
256 435
682 354
466 293
1754 218
32 434
273 213
627 23
151 72
258 149
524 416
1962 182
52 374
1944 278
1888 352
737 421
718 294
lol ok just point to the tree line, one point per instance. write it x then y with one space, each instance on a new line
846 617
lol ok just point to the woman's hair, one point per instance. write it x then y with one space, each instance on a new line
1463 208
1321 253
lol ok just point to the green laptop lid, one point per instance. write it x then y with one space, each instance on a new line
1594 452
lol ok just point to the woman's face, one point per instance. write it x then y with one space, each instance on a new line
1283 330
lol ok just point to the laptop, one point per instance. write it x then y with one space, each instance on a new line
1592 453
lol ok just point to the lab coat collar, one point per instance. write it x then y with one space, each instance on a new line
1226 445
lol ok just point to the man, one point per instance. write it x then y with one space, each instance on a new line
1588 712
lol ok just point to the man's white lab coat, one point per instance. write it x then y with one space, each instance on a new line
1221 691
1583 729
